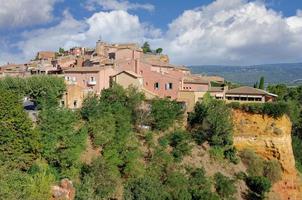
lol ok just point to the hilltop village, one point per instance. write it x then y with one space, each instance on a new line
90 70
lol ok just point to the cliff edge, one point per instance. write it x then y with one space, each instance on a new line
271 139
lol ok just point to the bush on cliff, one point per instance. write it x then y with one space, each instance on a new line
224 186
259 186
274 109
257 166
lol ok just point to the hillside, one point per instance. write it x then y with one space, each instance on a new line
287 73
119 146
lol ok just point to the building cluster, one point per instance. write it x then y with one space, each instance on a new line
89 71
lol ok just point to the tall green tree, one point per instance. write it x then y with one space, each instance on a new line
261 83
146 47
20 143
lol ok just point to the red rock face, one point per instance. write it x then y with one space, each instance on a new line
63 191
271 139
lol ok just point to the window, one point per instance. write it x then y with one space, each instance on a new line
63 103
169 86
75 103
74 79
92 79
156 85
111 56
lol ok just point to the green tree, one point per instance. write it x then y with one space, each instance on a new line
146 47
20 143
164 113
63 139
159 50
61 50
261 83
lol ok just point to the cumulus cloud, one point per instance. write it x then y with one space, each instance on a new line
22 13
234 32
223 32
117 5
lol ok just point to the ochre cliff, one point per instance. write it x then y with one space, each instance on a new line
271 139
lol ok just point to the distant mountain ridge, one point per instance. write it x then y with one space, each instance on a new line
287 73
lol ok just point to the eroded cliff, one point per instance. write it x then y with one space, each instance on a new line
271 139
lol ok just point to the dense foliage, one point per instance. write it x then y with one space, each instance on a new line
138 148
274 109
211 121
43 90
36 154
164 113
20 143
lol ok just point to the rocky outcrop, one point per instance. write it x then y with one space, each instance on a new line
271 139
64 191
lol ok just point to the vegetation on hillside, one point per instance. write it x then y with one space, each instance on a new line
141 146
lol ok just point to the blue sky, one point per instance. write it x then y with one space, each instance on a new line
234 32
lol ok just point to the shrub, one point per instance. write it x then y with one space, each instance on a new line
234 105
231 155
179 140
224 186
144 188
254 163
177 186
275 109
164 141
216 153
259 185
200 186
98 181
272 170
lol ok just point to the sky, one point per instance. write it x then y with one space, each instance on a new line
191 32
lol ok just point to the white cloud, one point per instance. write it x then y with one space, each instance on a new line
233 32
117 5
224 32
22 13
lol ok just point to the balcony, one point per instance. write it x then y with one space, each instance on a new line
91 82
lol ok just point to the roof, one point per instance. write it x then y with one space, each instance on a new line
164 64
85 69
249 91
216 89
135 75
195 79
